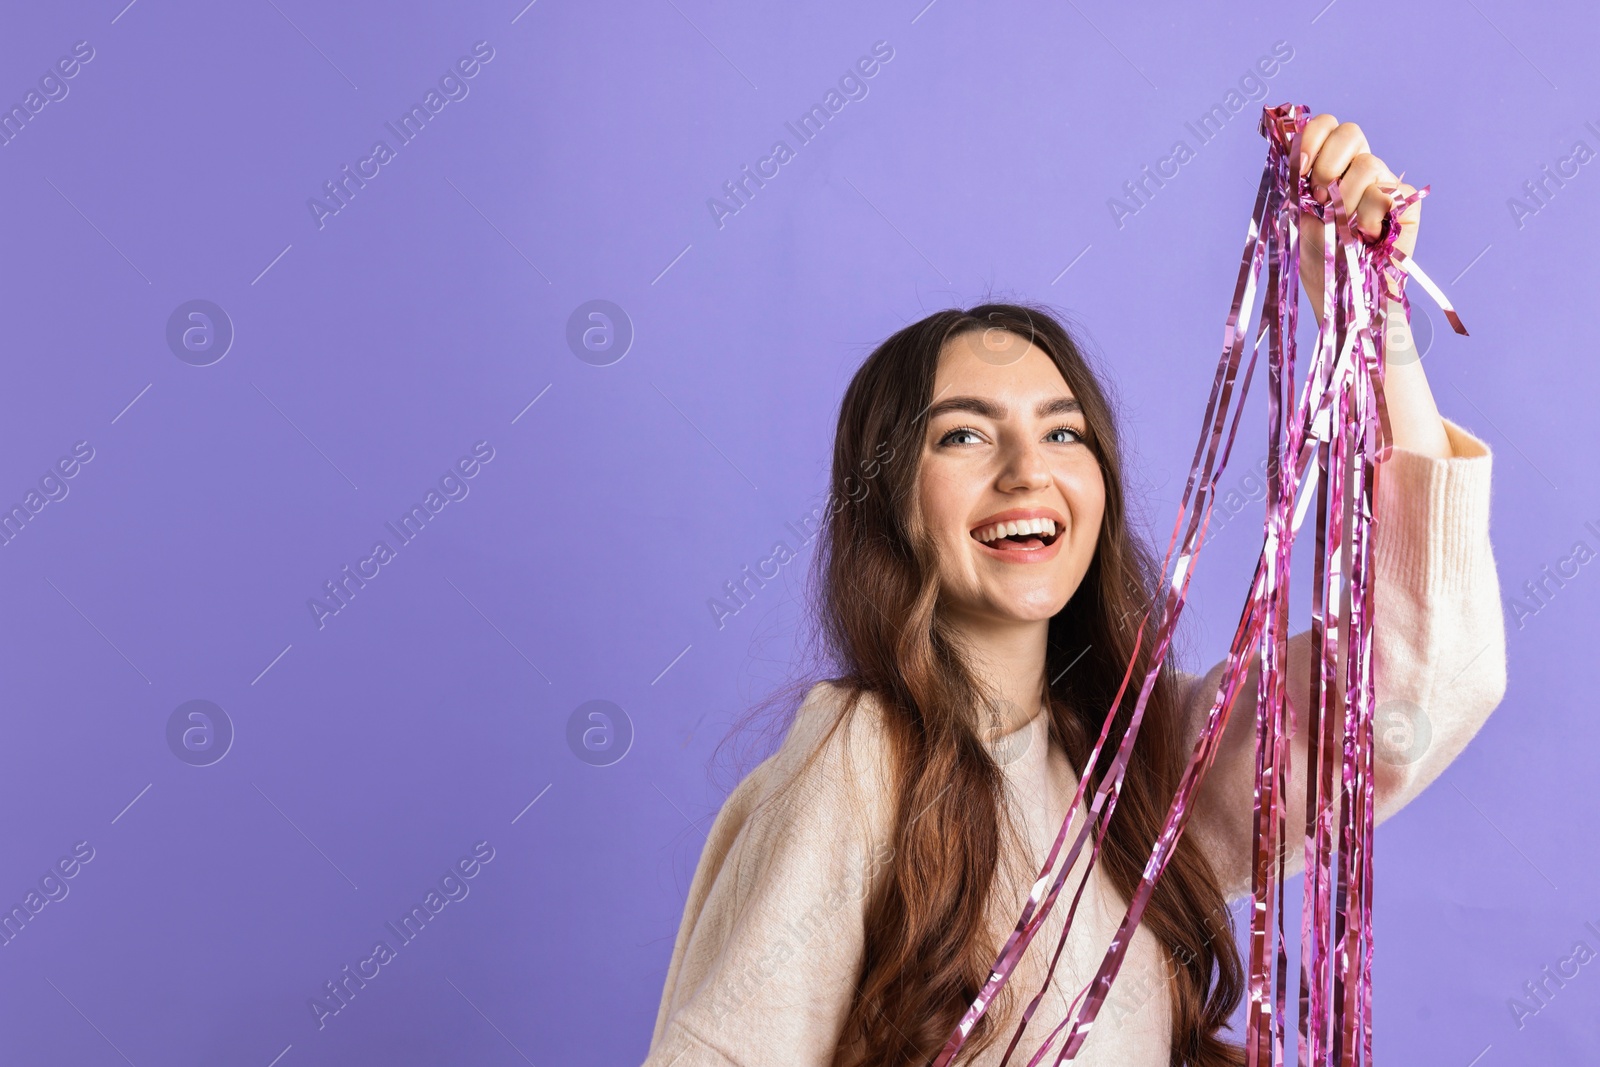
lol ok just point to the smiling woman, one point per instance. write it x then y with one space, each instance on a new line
982 612
948 643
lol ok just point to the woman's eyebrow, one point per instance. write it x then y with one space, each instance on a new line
978 405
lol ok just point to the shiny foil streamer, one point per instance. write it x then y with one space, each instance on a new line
1324 446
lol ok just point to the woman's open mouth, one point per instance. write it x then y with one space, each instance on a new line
1022 541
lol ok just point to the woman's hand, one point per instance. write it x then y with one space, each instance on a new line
1369 189
1332 149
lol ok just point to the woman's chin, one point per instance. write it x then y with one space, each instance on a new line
1039 605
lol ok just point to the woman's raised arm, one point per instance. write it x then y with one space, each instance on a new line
1439 662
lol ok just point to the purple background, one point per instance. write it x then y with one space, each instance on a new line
371 353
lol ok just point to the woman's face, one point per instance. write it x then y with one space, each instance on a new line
1006 443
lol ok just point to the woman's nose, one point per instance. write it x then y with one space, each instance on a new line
1025 466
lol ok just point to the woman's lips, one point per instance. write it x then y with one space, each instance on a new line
1010 552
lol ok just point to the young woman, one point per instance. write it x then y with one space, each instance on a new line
980 591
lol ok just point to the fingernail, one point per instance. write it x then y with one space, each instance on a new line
1302 162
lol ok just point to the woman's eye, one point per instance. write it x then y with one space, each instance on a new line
957 432
1077 435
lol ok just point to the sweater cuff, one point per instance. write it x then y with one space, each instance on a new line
1432 515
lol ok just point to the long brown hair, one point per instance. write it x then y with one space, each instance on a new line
928 944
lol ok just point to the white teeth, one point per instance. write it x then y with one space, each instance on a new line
1009 529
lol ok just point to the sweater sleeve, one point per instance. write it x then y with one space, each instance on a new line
1439 661
770 945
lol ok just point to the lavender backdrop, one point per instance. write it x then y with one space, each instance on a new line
219 396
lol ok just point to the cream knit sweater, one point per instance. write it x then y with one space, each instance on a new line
769 949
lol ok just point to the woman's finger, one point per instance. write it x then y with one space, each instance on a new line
1317 129
1342 145
1379 197
1365 203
